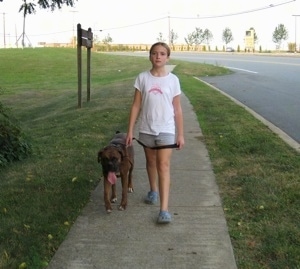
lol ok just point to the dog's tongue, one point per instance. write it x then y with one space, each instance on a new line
112 178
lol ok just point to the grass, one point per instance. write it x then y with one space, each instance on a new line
258 176
40 197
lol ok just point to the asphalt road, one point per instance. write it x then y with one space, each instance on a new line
269 85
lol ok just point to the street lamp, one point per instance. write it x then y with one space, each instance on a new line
4 41
169 30
296 32
73 37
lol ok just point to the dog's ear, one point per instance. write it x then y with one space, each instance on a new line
99 155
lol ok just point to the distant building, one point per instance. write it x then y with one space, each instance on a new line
249 40
54 45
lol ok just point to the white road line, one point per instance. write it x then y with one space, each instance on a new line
240 69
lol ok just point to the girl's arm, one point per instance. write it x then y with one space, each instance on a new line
134 112
178 121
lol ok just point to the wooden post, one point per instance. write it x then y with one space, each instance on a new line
89 46
88 83
84 38
79 43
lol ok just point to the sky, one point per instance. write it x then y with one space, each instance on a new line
140 22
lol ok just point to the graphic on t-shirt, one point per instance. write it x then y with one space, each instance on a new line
155 89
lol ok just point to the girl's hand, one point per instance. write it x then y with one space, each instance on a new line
129 139
180 142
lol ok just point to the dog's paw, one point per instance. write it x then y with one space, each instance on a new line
130 190
108 211
114 200
121 208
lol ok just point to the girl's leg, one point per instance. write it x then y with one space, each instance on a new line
151 168
163 158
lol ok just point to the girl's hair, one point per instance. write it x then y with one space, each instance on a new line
160 44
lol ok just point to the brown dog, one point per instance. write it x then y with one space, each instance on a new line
117 160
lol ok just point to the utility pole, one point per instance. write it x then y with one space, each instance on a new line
23 35
4 40
73 37
296 32
169 30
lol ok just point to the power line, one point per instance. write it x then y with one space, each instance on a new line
54 33
201 17
236 13
132 25
4 40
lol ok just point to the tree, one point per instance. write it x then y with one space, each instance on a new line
227 36
255 35
280 33
106 40
48 4
198 36
160 38
27 8
207 36
189 40
195 38
173 37
13 142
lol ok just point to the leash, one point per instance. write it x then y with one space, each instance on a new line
171 146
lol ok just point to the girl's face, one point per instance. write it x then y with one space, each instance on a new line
159 56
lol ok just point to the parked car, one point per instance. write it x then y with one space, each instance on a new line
229 49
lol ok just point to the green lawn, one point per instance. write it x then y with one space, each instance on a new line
40 197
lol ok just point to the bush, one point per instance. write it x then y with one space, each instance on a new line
13 144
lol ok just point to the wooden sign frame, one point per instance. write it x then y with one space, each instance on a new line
84 38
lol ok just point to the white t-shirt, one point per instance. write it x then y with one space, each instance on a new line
157 112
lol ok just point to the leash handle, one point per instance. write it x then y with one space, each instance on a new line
157 147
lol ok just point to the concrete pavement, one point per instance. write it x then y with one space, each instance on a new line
196 238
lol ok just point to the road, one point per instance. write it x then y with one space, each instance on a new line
267 84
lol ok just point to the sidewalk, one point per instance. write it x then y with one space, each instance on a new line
197 238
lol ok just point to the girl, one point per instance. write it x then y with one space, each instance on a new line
157 102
